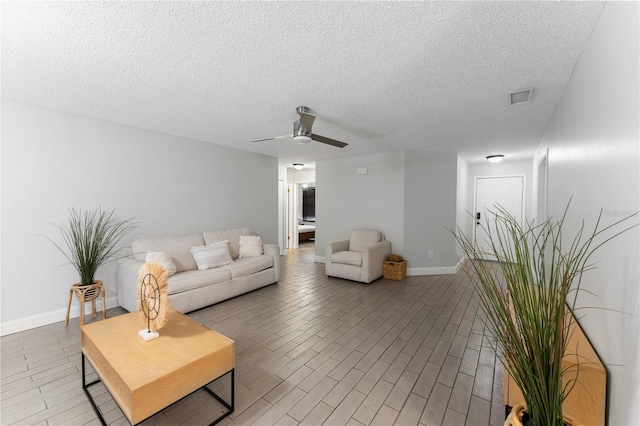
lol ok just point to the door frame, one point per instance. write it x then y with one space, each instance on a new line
282 216
542 191
292 224
475 198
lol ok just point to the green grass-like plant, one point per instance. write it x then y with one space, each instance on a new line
92 239
524 294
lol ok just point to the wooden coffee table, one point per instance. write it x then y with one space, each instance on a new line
146 377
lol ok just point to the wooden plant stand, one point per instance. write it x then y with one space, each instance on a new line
87 293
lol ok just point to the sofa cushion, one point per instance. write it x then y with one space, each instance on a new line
250 246
347 257
176 247
363 237
162 259
249 265
189 280
231 235
212 256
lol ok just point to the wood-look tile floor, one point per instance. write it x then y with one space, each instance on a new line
309 350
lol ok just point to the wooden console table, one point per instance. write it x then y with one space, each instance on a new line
146 377
587 400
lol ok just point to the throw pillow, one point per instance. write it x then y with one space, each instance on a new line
250 246
231 235
162 259
212 256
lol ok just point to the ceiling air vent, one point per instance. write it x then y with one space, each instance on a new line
521 97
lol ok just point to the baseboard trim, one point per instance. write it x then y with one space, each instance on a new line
46 318
432 271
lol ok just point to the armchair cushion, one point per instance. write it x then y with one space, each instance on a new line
363 237
347 257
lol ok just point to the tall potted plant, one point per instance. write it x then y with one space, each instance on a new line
524 294
92 238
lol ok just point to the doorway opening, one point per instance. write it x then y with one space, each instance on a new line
307 223
299 218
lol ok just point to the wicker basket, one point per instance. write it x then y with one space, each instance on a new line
395 270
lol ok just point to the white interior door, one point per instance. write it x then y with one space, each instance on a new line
506 192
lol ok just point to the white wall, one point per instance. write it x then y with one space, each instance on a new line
409 196
346 200
594 157
301 176
430 211
52 161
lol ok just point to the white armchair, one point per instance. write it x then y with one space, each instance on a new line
360 258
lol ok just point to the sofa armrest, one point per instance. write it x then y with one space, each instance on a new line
333 247
373 257
274 251
128 270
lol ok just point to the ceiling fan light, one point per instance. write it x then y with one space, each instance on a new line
298 166
495 158
302 139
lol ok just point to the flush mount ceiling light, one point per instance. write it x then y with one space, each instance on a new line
495 158
302 139
298 166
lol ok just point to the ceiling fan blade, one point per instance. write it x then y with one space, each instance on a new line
328 141
275 137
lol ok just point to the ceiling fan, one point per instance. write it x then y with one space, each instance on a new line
302 130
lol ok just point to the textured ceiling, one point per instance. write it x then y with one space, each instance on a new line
381 76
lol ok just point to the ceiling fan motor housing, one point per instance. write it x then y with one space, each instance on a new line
302 127
303 110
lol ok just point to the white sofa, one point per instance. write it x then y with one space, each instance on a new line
360 258
190 288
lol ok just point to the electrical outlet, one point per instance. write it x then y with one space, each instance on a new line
430 254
